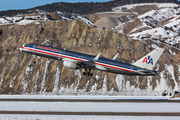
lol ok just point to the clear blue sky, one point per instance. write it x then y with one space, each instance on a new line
25 4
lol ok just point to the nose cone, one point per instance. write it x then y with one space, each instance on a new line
20 49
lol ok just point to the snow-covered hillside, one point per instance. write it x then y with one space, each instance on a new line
42 16
137 29
161 23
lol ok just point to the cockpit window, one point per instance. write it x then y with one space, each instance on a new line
27 45
30 45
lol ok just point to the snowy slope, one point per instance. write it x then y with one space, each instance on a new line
159 5
31 18
162 30
162 24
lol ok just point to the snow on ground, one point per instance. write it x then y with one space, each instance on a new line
104 86
57 80
168 32
29 70
79 106
77 73
154 46
38 78
45 75
119 81
14 19
25 84
2 79
161 5
153 32
26 22
149 86
25 80
33 17
130 6
170 69
89 97
159 14
90 106
3 76
85 20
77 117
133 90
94 87
11 85
4 21
52 106
163 83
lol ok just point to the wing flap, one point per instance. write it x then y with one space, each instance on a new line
92 63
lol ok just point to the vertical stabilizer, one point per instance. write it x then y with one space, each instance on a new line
149 61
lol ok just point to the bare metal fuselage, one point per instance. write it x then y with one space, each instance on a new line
103 64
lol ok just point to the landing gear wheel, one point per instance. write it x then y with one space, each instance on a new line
87 74
91 74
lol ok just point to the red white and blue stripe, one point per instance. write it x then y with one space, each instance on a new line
63 55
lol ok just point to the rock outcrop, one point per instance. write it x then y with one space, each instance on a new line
19 75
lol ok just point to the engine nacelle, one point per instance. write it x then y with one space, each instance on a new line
71 65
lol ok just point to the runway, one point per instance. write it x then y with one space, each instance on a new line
94 100
88 106
51 98
128 99
91 113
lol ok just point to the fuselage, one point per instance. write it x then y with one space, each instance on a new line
110 65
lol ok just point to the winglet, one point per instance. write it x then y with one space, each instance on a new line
23 45
97 57
114 58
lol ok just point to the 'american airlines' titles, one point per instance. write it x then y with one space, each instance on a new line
48 48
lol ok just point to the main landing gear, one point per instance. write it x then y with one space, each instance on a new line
87 73
34 59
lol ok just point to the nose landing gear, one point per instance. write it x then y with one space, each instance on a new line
34 59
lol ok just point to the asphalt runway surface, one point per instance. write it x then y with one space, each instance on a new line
94 100
91 113
85 113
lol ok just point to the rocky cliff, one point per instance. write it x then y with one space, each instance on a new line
19 75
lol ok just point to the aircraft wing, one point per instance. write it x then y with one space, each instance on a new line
92 63
87 63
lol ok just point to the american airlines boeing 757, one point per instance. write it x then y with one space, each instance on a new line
77 60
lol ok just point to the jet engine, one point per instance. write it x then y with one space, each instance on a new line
71 65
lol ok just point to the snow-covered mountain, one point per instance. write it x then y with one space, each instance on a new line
41 16
151 20
131 30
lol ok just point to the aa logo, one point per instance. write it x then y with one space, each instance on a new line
148 60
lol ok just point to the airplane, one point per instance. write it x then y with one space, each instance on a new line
77 60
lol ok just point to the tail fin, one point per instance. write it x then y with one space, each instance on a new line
149 61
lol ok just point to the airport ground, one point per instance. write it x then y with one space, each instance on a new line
96 107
